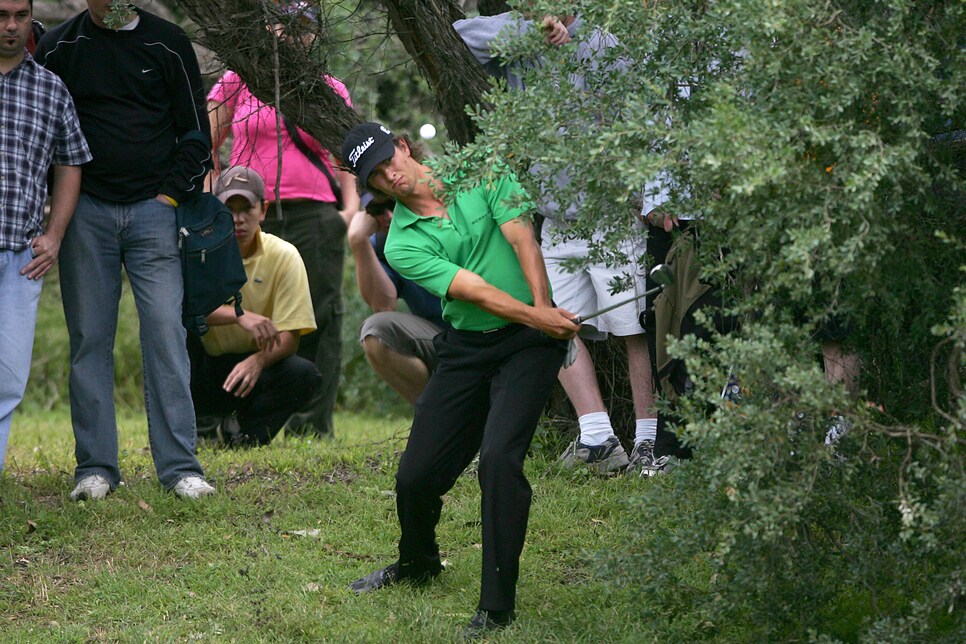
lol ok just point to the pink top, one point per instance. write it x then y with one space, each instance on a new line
255 143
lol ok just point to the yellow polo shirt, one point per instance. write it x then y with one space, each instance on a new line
277 288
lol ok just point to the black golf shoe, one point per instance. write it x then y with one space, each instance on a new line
391 575
487 621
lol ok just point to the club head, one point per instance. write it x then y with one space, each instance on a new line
662 275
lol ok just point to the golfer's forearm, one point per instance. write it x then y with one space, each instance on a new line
470 287
519 233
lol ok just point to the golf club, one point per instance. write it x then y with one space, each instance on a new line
662 274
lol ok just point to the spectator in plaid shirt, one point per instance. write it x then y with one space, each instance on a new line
38 127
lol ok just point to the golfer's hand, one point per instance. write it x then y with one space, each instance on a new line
45 249
243 377
262 328
555 322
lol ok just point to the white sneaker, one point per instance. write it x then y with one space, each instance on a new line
91 487
193 487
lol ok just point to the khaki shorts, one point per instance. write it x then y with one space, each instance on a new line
404 333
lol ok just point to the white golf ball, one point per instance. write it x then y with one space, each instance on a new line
427 131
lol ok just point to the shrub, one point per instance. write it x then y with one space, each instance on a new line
817 145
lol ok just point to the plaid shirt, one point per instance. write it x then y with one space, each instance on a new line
38 128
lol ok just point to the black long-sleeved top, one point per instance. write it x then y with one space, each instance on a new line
137 93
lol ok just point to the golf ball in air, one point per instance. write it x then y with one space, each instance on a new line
427 131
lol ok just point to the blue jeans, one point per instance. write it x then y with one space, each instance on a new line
102 237
18 317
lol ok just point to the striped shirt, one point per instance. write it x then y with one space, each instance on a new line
38 128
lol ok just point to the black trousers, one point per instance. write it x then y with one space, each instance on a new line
281 390
317 230
486 395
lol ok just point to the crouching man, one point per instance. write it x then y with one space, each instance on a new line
495 368
246 368
398 345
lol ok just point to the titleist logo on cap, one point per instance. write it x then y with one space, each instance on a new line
359 150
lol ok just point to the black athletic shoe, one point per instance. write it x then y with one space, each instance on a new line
376 580
388 576
487 621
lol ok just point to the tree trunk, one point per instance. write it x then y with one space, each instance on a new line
425 29
236 31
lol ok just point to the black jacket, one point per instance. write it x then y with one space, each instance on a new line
137 93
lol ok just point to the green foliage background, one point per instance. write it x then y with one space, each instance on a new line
810 145
812 142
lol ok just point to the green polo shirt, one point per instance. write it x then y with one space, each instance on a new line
430 250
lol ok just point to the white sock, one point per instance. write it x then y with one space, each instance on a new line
595 428
646 430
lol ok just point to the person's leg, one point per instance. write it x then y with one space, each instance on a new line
399 347
639 372
596 445
519 391
19 298
208 374
318 232
446 434
282 389
405 374
842 366
579 381
642 459
90 285
153 263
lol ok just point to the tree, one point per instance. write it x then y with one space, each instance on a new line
236 30
821 146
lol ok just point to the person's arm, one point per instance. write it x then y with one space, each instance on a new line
246 373
220 115
470 287
264 331
654 197
555 32
479 33
350 196
519 232
376 288
46 247
661 219
192 157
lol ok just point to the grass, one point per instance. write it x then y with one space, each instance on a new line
269 557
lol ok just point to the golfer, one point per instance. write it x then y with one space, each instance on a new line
497 365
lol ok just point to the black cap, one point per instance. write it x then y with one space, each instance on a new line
365 147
